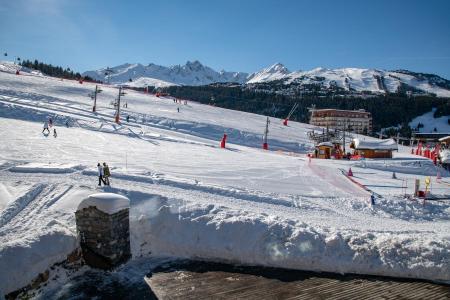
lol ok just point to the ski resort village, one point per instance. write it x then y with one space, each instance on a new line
135 165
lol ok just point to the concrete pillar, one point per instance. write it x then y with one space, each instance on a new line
104 229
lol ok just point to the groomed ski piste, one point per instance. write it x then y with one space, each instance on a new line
192 199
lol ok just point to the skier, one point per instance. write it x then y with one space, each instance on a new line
128 118
50 122
178 109
372 199
46 127
54 132
100 175
106 173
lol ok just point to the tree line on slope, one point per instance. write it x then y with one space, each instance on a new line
54 71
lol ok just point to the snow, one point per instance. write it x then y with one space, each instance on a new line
274 72
358 79
195 73
9 67
388 144
9 192
192 73
253 238
191 198
109 203
430 122
421 84
325 144
45 168
147 81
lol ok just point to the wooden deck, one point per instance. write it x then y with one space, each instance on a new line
197 280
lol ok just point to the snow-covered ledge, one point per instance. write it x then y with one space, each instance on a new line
108 203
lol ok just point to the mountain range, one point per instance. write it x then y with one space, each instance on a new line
353 80
192 73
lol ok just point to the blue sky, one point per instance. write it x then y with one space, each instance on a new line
232 35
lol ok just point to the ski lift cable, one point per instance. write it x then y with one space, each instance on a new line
260 101
292 110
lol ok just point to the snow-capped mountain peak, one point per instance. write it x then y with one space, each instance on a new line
192 73
277 68
194 65
274 72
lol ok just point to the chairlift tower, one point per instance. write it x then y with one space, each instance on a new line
94 97
108 73
118 105
311 109
266 133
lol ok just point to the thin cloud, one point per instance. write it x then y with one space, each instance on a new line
35 7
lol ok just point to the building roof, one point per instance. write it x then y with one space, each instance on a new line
444 138
327 144
331 110
388 144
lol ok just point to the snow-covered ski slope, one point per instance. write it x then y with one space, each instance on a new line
430 123
190 198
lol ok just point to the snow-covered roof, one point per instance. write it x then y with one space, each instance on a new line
109 203
388 144
444 138
328 144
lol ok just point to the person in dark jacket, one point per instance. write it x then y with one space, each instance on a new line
106 173
100 175
46 127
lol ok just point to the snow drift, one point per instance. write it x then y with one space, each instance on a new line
175 228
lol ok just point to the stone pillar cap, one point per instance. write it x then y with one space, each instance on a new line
109 203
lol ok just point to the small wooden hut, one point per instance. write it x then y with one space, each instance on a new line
374 148
445 140
323 150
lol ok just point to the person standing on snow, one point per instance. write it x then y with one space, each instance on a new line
46 127
50 122
54 132
372 199
100 175
106 173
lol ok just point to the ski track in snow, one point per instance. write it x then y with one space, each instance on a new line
334 210
31 209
